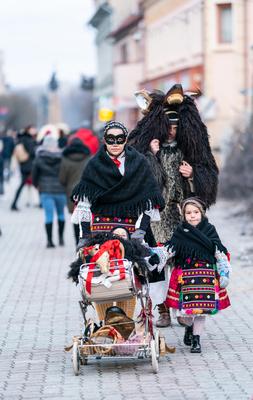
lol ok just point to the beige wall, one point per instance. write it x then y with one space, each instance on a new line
122 9
226 72
126 75
126 79
173 37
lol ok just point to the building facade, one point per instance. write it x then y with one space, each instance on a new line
103 87
228 60
204 44
127 42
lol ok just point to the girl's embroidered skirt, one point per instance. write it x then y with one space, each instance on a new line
194 289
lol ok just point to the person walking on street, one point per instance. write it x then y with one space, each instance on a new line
200 274
175 141
74 159
117 189
45 177
8 148
25 153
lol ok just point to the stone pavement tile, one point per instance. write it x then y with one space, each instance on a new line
41 314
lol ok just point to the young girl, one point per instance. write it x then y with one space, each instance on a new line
201 272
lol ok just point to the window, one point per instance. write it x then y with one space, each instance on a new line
224 18
123 54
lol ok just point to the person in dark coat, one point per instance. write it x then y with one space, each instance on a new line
45 177
27 139
175 141
8 148
75 157
117 190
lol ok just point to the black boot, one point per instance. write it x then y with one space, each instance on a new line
188 335
61 230
196 347
49 228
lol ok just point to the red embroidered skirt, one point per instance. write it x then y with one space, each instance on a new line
196 290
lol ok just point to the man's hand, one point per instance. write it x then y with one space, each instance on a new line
154 146
186 170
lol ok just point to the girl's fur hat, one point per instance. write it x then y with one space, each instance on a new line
195 201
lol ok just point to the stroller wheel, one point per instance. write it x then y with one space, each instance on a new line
154 358
76 359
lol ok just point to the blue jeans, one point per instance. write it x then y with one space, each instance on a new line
53 201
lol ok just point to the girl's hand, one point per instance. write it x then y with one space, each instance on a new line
154 146
224 281
186 170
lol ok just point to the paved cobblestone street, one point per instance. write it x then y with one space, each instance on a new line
40 314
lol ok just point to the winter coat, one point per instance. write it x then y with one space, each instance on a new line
45 172
175 189
30 146
8 147
72 166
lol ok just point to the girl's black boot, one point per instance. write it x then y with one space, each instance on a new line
188 335
196 347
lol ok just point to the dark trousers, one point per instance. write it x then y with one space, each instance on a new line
20 188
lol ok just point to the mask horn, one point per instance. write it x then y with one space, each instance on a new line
193 93
143 100
175 95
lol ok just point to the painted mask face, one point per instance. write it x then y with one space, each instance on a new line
115 141
118 139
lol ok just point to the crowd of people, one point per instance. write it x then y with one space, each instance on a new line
154 184
50 161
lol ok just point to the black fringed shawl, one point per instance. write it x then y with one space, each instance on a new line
112 194
196 242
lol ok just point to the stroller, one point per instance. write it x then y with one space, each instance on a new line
120 283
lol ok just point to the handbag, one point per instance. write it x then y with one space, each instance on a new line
21 153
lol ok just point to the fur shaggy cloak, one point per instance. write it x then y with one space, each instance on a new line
192 146
192 141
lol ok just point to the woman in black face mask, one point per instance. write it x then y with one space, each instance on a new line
117 188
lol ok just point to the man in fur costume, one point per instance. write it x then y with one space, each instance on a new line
175 141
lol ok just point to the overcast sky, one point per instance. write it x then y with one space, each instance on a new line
38 36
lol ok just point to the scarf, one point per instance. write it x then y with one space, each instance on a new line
112 194
196 242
